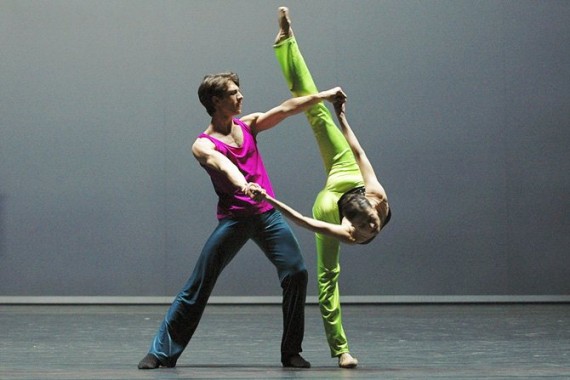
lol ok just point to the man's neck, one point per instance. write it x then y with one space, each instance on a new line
223 124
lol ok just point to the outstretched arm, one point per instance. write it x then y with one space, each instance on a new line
340 232
259 122
370 180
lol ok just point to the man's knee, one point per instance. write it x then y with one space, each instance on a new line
301 276
298 278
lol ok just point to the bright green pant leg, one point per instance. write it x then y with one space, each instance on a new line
328 272
342 175
332 144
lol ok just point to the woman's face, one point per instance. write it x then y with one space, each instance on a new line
367 222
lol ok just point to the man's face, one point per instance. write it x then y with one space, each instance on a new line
232 99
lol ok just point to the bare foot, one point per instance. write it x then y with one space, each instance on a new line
346 360
285 30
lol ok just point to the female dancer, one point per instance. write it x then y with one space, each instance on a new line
352 207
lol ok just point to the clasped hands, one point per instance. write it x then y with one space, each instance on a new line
338 98
254 191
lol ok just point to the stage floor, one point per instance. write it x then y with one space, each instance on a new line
461 341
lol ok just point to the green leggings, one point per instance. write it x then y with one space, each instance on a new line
343 174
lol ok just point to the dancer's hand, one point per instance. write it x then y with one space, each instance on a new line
340 104
333 94
255 191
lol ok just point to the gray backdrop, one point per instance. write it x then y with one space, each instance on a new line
462 106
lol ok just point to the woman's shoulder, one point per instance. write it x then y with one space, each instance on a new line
376 194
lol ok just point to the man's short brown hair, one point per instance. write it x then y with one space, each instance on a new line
215 85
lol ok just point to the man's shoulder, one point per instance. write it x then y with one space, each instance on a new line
202 143
205 135
250 119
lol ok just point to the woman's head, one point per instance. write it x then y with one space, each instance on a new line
363 216
215 85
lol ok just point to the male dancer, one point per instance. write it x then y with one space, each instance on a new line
228 151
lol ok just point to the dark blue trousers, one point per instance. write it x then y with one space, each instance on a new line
273 235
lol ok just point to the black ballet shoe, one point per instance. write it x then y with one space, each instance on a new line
149 362
295 361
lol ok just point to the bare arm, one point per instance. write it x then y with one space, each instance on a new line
370 180
340 232
204 151
262 121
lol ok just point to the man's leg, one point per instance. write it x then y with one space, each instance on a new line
184 314
275 237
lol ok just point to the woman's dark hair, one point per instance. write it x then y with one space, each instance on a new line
215 85
388 217
353 204
356 203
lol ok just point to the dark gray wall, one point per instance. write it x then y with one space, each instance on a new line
462 106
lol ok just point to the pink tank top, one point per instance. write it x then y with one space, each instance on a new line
231 201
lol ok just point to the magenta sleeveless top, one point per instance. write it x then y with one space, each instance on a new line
231 201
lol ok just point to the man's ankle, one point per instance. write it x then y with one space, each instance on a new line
294 361
149 362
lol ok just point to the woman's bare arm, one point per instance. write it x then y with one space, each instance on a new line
340 232
370 180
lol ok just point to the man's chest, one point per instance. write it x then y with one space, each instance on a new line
234 139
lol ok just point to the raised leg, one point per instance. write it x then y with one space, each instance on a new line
332 144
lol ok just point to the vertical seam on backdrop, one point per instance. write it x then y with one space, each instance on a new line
164 198
505 139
